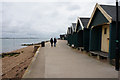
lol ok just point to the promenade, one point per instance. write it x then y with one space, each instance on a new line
65 62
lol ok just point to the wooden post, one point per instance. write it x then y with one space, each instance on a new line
117 40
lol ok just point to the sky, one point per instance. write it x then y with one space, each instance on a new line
43 19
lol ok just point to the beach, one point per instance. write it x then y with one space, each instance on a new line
15 66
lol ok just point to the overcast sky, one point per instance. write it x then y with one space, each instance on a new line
43 19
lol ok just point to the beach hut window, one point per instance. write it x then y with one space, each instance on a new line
105 30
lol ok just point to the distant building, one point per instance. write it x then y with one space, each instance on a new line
63 36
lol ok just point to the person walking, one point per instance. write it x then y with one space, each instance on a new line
51 41
55 40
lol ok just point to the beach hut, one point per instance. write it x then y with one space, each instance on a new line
74 35
82 33
69 35
102 25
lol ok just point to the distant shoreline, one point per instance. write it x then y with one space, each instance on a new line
20 38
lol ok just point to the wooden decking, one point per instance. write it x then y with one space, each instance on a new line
99 53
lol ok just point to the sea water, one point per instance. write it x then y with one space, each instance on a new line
8 45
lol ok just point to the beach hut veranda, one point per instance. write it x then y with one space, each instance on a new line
102 25
82 33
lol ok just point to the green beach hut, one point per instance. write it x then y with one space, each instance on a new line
69 36
102 25
82 33
74 35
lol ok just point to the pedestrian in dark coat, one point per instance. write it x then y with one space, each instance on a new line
55 40
51 41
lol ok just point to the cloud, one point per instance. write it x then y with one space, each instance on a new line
43 19
73 7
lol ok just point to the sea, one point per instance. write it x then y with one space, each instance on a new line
8 45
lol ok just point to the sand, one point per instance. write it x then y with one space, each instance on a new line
15 66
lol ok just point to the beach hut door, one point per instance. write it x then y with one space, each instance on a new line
105 38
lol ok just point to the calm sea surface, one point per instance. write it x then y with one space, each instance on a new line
13 44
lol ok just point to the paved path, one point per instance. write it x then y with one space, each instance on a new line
64 62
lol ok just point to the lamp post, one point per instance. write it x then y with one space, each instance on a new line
117 40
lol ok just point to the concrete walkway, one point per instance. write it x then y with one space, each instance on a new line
64 62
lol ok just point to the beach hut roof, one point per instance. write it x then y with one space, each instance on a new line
73 27
82 23
109 11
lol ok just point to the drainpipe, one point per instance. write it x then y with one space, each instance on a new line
117 40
